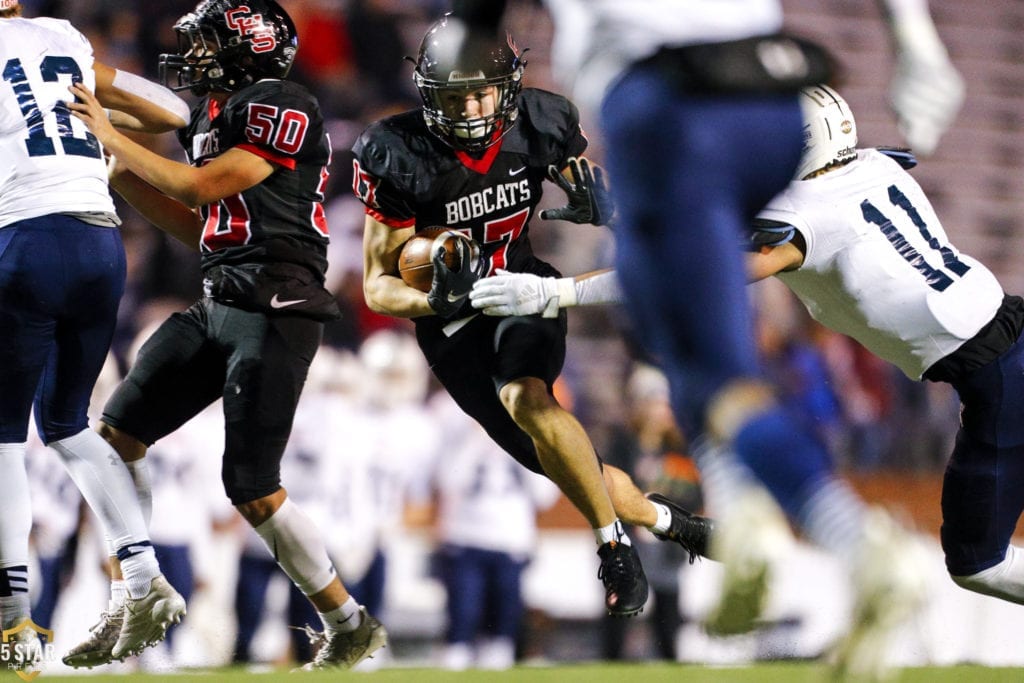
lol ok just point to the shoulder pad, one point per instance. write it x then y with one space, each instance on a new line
768 233
901 155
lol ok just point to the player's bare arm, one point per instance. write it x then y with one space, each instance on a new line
168 214
382 286
230 173
138 104
773 260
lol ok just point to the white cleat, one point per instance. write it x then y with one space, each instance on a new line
749 540
147 618
891 588
98 648
335 650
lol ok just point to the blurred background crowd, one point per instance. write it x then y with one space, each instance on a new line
376 481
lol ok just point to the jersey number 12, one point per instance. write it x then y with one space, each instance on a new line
38 142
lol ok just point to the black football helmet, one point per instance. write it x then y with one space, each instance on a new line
454 57
226 45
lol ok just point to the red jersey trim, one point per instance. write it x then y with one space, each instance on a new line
484 163
391 222
287 162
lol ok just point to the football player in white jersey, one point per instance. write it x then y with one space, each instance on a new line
865 252
62 273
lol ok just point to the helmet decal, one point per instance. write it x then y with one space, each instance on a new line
226 45
251 25
830 131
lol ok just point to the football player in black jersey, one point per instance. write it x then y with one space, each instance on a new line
250 201
474 159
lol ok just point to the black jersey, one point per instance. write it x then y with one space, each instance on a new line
282 218
407 177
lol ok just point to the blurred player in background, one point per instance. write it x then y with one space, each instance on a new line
62 274
727 141
486 531
473 158
251 202
857 240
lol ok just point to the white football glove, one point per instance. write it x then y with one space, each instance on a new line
508 293
926 95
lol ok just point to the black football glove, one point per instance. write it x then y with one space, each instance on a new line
449 289
589 198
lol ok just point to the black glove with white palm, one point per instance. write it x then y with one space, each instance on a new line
589 198
450 287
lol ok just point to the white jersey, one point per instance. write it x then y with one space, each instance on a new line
595 40
879 267
485 498
49 162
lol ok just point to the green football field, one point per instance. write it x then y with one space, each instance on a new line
590 673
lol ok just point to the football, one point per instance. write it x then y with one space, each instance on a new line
415 261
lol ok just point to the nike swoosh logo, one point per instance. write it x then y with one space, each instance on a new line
277 303
453 299
517 171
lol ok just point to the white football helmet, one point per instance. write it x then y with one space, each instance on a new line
396 373
830 132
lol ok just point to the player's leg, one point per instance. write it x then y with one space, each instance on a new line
699 325
983 489
505 608
23 355
478 363
529 354
464 578
172 378
28 325
269 361
254 575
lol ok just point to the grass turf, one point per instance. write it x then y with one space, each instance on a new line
582 673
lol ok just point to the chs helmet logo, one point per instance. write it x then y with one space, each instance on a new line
261 36
25 648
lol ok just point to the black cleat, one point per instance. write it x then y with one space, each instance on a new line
691 531
625 585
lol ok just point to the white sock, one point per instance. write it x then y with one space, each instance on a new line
118 593
833 519
298 548
106 485
1004 580
139 471
664 522
14 609
16 518
612 532
343 618
138 569
723 477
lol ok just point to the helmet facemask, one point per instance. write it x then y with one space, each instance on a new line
477 133
454 65
196 66
225 46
